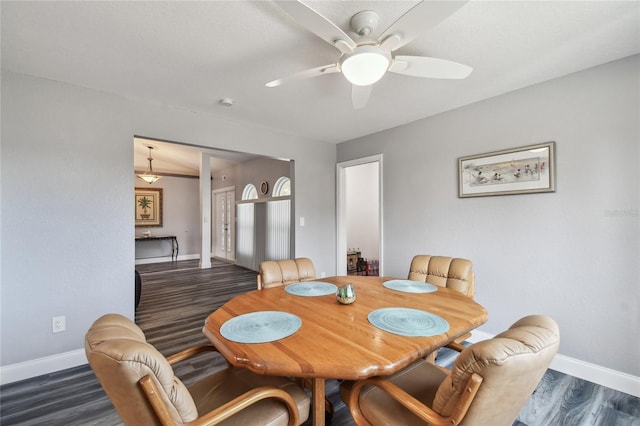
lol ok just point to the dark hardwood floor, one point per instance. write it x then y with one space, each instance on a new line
177 297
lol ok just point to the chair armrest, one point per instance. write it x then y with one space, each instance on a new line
259 281
412 404
188 353
152 392
223 412
244 401
418 408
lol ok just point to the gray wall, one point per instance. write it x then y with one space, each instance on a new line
259 170
180 217
67 217
573 254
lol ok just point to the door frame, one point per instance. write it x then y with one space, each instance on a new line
341 211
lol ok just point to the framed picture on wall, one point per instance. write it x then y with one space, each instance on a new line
264 187
524 170
148 206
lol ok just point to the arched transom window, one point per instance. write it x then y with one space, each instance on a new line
282 187
250 192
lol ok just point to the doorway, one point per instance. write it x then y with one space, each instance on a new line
206 224
359 187
224 223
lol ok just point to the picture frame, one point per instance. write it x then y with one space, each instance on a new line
524 170
148 206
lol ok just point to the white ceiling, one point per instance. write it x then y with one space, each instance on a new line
179 159
192 54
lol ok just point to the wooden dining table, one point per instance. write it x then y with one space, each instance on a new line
337 341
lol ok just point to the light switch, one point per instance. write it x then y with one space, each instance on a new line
302 221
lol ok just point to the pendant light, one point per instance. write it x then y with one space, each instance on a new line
148 176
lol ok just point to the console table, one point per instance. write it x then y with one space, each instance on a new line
172 238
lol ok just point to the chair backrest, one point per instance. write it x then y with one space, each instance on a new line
275 273
450 272
511 366
120 356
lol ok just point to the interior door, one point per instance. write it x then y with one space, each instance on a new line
224 224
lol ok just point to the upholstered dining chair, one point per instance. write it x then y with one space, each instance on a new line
450 272
275 273
488 385
142 386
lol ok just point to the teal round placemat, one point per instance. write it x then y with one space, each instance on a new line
260 327
408 322
409 286
311 288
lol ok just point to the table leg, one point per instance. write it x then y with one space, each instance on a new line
318 394
174 248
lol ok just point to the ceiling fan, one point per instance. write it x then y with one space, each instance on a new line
365 61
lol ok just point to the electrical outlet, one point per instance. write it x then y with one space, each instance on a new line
58 324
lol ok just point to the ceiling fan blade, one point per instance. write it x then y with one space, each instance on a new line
318 24
422 66
422 17
310 73
360 96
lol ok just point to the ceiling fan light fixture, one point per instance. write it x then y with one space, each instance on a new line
148 176
365 65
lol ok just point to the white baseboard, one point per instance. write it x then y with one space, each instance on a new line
604 376
38 367
478 336
597 374
166 259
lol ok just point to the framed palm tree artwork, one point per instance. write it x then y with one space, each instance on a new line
148 206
